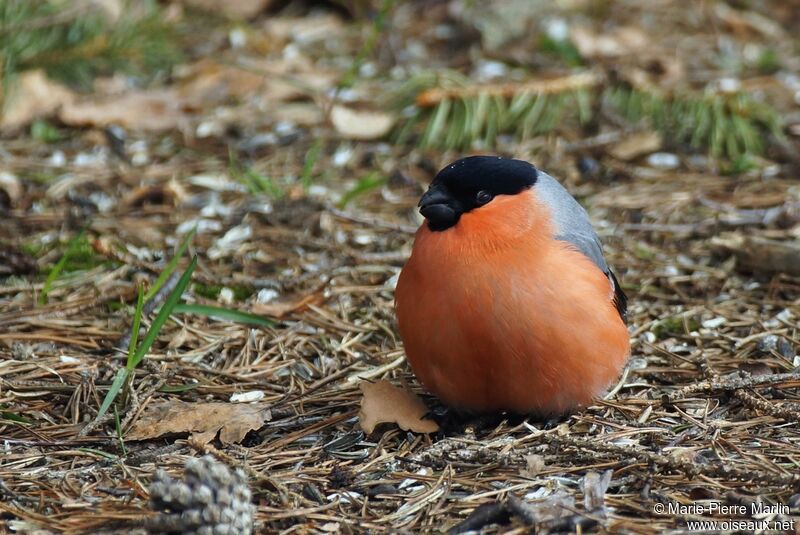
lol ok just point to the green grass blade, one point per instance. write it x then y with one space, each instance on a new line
436 124
174 389
99 453
368 183
223 313
171 265
118 426
137 321
308 165
163 315
113 392
149 338
14 417
59 266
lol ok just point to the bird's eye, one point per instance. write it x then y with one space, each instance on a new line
483 197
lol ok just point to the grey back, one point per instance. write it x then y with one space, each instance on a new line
571 220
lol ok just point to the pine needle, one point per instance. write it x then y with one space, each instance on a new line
75 41
447 111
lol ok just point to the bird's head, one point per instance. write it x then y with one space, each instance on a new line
470 183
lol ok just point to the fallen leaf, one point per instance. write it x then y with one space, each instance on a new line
361 124
636 145
279 309
385 403
230 8
154 110
203 420
31 97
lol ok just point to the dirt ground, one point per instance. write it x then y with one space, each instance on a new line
306 220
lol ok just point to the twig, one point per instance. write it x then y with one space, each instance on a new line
735 383
432 97
791 480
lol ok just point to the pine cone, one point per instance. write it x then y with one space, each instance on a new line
211 500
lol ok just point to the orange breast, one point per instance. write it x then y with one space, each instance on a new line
495 314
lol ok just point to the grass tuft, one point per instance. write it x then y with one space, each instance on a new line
75 41
75 244
136 356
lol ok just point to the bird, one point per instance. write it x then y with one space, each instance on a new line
507 302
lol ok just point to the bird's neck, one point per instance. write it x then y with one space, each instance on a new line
511 223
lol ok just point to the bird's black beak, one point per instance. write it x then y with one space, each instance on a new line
439 208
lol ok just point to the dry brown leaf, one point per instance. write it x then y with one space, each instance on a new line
33 96
361 124
155 110
284 307
636 145
203 420
385 403
230 8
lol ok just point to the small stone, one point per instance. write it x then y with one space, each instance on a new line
663 160
713 323
776 343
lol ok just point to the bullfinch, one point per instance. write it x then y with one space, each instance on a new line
507 302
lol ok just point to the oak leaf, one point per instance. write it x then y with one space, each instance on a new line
385 403
203 420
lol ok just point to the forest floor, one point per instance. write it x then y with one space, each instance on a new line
301 221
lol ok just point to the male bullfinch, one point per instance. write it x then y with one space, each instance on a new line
507 302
